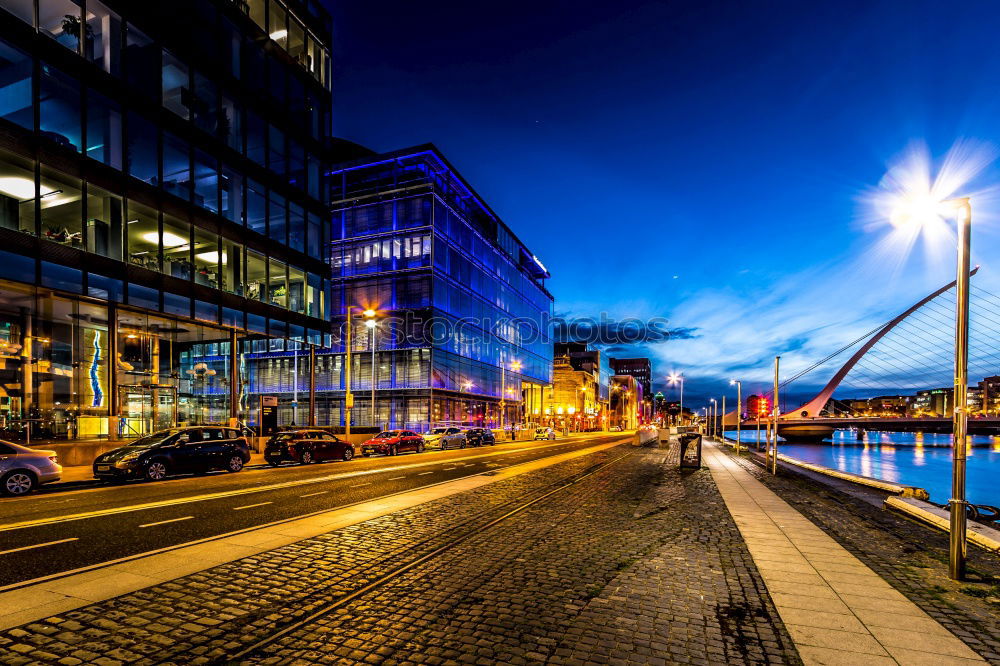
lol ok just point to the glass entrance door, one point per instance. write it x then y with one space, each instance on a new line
146 409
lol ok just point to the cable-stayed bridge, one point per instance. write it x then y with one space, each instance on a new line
907 361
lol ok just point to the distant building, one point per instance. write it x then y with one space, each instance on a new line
626 399
640 368
990 392
580 384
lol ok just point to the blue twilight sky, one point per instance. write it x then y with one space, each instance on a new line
707 162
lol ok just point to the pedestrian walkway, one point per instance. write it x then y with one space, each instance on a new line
836 609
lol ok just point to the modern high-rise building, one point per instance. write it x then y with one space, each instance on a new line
640 368
163 208
460 305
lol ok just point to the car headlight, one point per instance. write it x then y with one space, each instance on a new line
126 459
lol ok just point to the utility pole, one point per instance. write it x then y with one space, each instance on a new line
777 412
348 396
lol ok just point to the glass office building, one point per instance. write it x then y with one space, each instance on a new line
461 308
163 210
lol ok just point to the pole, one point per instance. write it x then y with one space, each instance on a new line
680 418
373 374
503 390
739 414
312 385
234 380
722 423
777 412
957 503
348 396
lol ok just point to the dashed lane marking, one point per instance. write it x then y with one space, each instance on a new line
322 492
164 522
250 506
38 545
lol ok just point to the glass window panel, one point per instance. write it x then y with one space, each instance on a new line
178 305
276 150
313 177
232 194
59 102
314 237
17 193
176 248
176 167
296 165
99 286
104 130
205 103
277 287
22 9
296 227
102 37
276 79
142 62
176 90
256 275
104 223
256 141
230 46
61 20
206 258
143 297
277 225
231 124
15 86
297 41
143 236
296 289
61 200
142 151
315 297
206 181
206 311
231 276
276 24
253 63
57 276
255 9
256 207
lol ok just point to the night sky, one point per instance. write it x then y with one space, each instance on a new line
706 162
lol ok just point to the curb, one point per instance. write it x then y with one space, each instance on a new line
927 513
894 488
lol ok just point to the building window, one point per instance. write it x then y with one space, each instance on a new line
276 150
142 63
61 201
62 21
256 207
206 181
296 228
277 225
232 194
104 223
102 37
15 86
231 124
176 167
206 258
22 9
277 27
143 236
232 266
17 194
176 91
59 112
256 279
296 289
205 104
104 130
142 153
176 248
277 286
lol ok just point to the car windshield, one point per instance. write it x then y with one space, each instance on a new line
387 434
541 430
155 439
439 431
285 436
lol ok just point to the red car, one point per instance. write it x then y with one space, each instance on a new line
392 442
306 446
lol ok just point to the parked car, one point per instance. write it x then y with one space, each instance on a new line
175 451
306 446
480 437
23 469
393 442
615 429
445 438
544 433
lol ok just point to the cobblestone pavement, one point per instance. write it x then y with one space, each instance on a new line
634 564
910 557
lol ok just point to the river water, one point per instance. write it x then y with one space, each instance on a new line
913 459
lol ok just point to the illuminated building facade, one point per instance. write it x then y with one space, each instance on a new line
162 209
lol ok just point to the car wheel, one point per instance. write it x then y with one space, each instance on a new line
156 470
235 464
463 444
307 457
18 482
273 463
348 454
420 448
393 451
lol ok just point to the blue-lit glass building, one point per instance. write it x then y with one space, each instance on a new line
462 308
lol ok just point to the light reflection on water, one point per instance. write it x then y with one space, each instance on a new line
915 459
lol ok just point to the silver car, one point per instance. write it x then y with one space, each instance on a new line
445 438
23 469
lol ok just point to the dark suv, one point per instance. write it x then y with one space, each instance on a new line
175 451
480 437
306 446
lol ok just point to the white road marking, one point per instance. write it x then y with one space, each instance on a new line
396 478
250 506
37 545
360 485
322 492
164 522
424 473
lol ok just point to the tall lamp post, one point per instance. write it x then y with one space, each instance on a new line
371 323
714 411
921 209
679 379
739 410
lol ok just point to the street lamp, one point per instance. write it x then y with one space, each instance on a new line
372 324
921 210
739 410
675 379
714 411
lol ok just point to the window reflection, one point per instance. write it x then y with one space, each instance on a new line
231 276
22 9
176 248
277 288
206 258
176 167
104 130
17 194
15 81
62 21
59 108
61 202
256 275
143 236
175 85
104 223
102 37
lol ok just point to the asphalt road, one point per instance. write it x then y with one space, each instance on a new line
48 534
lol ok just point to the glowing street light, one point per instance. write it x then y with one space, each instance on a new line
715 411
677 378
739 410
920 210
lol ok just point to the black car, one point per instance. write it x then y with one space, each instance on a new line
480 437
175 451
306 446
